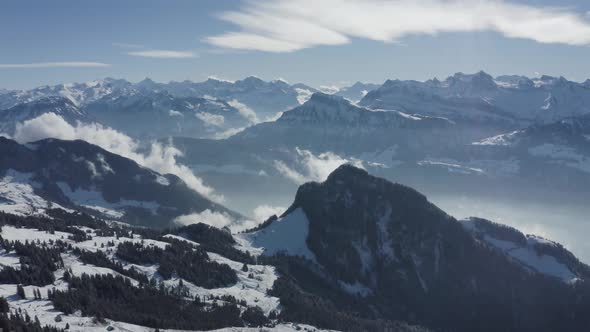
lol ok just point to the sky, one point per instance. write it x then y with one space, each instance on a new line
327 42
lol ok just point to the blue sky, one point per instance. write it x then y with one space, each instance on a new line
328 42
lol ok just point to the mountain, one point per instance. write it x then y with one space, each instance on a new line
78 93
406 259
331 123
266 98
212 108
479 98
58 105
357 91
75 175
553 154
149 114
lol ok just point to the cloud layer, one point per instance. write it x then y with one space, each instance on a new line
66 64
291 25
163 54
161 158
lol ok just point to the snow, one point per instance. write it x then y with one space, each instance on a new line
181 238
452 167
544 264
9 259
502 140
17 195
252 290
285 235
94 200
527 255
12 233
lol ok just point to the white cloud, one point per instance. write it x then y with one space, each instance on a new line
309 167
211 119
329 89
291 25
211 218
228 133
244 110
161 158
164 54
262 212
216 219
54 65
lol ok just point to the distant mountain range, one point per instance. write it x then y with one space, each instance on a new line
266 98
477 98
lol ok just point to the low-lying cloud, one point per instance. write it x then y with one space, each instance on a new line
311 167
262 212
291 25
244 111
161 157
216 219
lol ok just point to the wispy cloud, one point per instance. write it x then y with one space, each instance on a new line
164 54
291 25
54 65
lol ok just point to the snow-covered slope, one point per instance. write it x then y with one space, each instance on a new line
284 235
533 252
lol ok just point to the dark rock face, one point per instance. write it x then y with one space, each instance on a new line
421 265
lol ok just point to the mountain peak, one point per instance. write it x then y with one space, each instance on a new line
324 98
346 172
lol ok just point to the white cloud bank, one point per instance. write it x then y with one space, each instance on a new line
310 167
244 111
216 219
262 212
66 64
291 25
161 158
163 54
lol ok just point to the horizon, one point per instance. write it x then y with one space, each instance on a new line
322 88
